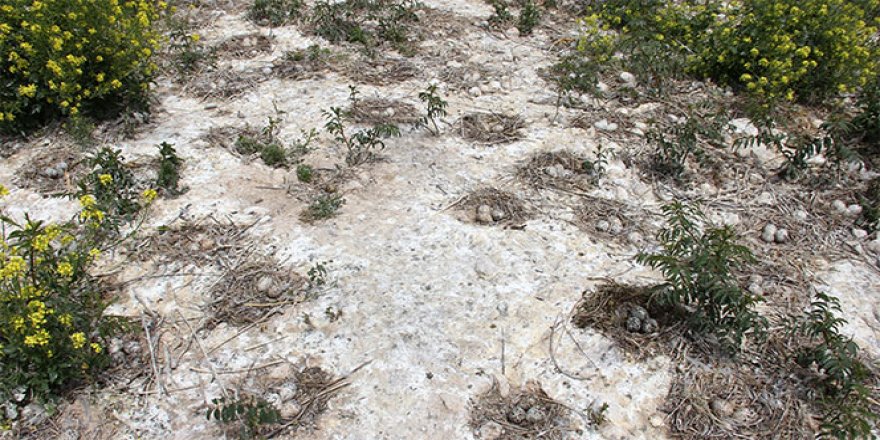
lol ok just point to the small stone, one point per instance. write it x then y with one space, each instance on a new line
800 215
603 88
264 283
616 226
498 128
267 70
633 324
603 226
388 113
649 326
484 214
639 312
657 421
51 173
743 416
634 237
11 411
498 214
627 78
206 244
495 85
516 415
536 415
491 431
287 392
781 236
61 166
19 394
859 233
604 125
132 348
838 206
33 414
475 92
756 289
554 171
854 209
289 410
769 233
722 408
874 246
512 32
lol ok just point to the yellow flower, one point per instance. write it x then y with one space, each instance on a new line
3 190
195 37
95 253
65 269
66 320
149 195
87 201
78 340
99 77
105 179
40 338
96 347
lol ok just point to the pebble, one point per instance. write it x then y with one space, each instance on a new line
650 326
475 92
781 236
289 410
616 226
859 233
604 125
388 113
800 215
11 411
267 70
33 414
627 78
512 32
639 312
491 431
838 206
601 87
634 237
756 289
62 166
854 209
516 415
769 233
484 214
657 421
633 324
51 173
498 214
874 246
554 171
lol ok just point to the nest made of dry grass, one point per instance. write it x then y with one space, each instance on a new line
594 210
380 71
215 83
383 111
570 174
34 174
207 241
607 309
515 210
491 128
239 297
245 46
509 412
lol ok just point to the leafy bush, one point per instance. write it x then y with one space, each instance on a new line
367 22
435 108
529 17
112 187
698 265
677 143
68 58
361 146
274 12
52 327
843 379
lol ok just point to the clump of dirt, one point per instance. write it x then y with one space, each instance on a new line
527 413
252 291
627 316
493 206
245 46
491 128
53 171
561 170
383 111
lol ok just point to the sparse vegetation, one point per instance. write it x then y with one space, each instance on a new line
698 263
246 417
169 169
275 12
323 207
436 108
305 173
112 186
361 146
369 23
529 18
675 145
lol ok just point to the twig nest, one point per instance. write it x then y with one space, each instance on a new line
768 234
722 408
498 214
781 236
536 415
650 326
484 214
639 312
633 324
838 206
854 210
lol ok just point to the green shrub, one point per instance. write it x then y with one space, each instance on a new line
529 17
305 173
698 265
69 58
367 22
112 185
168 177
273 155
52 327
245 416
275 12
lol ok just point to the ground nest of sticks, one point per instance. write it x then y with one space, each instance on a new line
493 206
254 291
627 316
527 413
612 220
245 46
491 128
562 170
222 83
207 241
383 111
53 171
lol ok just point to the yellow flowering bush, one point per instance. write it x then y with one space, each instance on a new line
67 57
52 327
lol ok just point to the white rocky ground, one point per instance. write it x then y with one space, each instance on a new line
437 307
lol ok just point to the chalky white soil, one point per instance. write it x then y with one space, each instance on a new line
438 308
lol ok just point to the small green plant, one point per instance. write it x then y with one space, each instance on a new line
698 265
679 142
361 146
305 173
597 416
186 51
273 155
501 16
270 147
842 379
366 22
597 167
323 207
318 274
247 416
436 108
169 169
113 187
529 18
798 148
275 12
